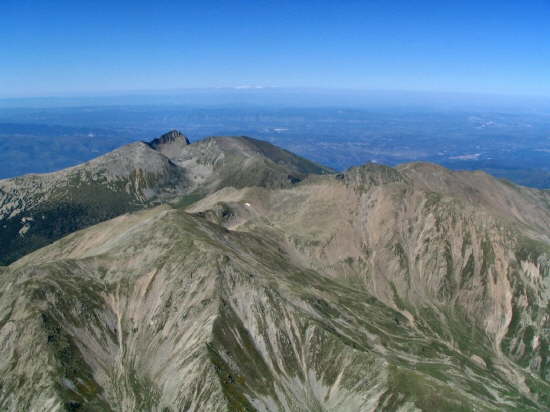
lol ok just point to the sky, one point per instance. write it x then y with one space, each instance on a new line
87 47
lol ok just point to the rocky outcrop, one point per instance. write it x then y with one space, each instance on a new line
378 289
170 144
471 275
208 319
38 209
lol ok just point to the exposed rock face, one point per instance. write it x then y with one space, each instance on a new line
37 209
208 319
171 143
380 289
461 266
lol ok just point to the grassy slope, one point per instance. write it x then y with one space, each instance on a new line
90 195
475 282
264 331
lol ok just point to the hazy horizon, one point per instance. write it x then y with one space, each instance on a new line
291 98
70 48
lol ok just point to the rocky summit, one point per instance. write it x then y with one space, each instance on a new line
230 275
37 209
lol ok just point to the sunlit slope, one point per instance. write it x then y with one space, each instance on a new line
255 304
377 289
37 209
463 265
208 319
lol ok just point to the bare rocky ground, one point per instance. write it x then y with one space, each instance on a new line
274 289
38 209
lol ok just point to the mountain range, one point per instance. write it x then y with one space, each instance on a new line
38 208
231 275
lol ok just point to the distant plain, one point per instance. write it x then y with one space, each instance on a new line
510 140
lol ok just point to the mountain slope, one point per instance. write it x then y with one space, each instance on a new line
462 266
208 319
242 161
37 209
372 290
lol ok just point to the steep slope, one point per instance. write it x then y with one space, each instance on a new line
218 162
461 265
378 289
208 319
521 204
37 209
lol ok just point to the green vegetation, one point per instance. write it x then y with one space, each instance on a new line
66 213
432 200
427 394
448 286
177 312
185 201
530 250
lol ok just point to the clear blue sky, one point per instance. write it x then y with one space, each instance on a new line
61 46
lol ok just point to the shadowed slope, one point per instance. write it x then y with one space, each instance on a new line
203 318
37 209
378 289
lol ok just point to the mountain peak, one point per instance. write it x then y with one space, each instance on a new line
371 174
173 137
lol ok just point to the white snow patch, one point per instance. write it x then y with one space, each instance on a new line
473 156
